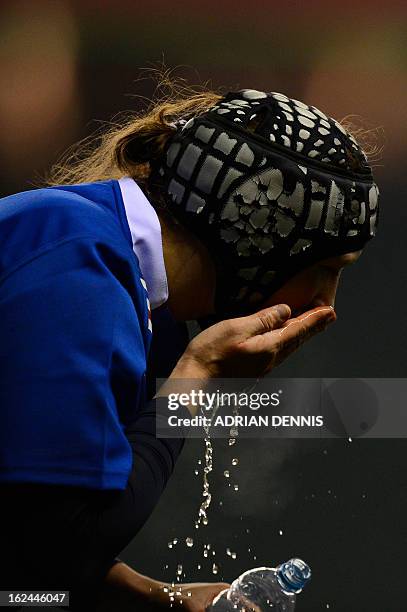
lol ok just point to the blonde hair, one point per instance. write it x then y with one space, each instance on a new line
369 137
125 146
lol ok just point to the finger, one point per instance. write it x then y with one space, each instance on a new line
299 330
293 332
266 320
308 321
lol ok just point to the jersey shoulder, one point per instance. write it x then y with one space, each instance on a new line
35 219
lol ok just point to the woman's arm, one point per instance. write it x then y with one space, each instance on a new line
251 345
125 589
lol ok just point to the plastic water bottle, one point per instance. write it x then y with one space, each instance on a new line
264 588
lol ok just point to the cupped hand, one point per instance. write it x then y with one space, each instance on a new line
197 596
250 346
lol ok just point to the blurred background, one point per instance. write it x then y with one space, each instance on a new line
67 66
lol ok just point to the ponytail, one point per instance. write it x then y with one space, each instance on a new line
135 141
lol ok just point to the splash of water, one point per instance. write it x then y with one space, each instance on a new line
206 494
202 519
208 467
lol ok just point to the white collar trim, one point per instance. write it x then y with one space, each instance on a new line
146 236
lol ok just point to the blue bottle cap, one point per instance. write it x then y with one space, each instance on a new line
293 575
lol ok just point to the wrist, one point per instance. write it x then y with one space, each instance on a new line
189 367
188 375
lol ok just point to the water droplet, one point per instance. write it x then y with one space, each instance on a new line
189 542
196 472
281 532
235 461
199 566
349 439
231 554
169 544
236 487
232 441
226 473
215 569
179 570
175 541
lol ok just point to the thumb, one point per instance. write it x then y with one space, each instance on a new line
215 590
267 319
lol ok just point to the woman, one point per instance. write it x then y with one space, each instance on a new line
239 211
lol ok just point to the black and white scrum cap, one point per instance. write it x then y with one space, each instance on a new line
270 185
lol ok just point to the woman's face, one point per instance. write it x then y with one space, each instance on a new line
313 286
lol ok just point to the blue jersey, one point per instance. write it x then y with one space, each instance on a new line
75 333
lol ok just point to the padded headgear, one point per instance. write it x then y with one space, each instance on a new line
269 185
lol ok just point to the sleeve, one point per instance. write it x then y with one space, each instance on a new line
72 365
121 516
66 317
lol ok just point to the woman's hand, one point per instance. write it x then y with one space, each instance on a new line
197 596
251 346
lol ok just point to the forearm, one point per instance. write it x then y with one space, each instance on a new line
128 590
125 585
